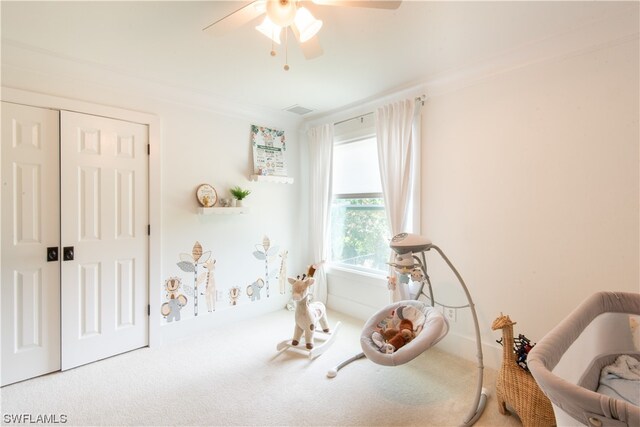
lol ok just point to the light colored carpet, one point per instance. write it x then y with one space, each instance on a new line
233 376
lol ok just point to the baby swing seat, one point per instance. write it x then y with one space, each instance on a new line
435 328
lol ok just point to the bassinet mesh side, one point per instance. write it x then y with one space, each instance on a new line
578 403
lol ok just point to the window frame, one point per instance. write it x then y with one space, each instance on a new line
341 266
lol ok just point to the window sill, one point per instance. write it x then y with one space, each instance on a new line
340 270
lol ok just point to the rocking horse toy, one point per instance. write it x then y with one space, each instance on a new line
309 317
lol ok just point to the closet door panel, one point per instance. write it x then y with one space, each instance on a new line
30 281
104 218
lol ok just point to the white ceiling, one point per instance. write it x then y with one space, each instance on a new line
366 51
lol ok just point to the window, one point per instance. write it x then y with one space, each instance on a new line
359 230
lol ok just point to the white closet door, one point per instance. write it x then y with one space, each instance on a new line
104 185
30 224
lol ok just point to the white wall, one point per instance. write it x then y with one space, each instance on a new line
530 184
200 142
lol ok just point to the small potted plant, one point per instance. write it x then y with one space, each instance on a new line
239 194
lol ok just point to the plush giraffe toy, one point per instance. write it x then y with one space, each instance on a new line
308 314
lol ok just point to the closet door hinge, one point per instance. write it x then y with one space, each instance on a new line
148 229
148 149
148 309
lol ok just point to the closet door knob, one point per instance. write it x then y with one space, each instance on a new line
52 254
67 253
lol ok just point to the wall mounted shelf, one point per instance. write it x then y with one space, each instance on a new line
272 178
223 211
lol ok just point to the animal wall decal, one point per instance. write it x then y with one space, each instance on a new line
263 253
282 274
253 290
189 263
234 295
175 300
210 289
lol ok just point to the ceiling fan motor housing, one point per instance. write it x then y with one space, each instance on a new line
281 12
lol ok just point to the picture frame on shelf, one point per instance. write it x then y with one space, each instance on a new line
206 195
269 146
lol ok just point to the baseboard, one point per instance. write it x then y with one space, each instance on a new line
350 308
465 347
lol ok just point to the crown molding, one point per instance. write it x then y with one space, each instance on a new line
23 65
594 36
602 33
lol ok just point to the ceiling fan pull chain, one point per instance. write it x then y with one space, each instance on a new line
286 49
273 41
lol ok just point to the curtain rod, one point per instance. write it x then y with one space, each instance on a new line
361 117
419 99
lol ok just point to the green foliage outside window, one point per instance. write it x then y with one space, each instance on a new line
360 233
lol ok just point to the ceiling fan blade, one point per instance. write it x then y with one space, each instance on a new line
235 19
375 4
311 48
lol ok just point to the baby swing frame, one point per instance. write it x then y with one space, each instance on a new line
401 245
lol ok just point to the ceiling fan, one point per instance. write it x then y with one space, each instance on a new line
282 15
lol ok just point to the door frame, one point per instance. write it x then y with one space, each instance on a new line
35 99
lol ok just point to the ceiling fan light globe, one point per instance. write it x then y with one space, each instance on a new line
269 29
307 25
281 12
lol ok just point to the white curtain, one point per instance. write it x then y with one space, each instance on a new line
398 145
320 167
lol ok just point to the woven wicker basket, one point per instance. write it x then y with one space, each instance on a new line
516 387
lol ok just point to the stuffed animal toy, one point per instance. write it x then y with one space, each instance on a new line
390 332
396 338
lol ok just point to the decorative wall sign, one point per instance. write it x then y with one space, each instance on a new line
206 195
268 151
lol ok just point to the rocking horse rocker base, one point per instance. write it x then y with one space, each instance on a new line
327 339
311 320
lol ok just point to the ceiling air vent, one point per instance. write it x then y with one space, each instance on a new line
298 110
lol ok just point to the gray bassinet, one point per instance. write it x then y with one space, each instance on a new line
567 361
